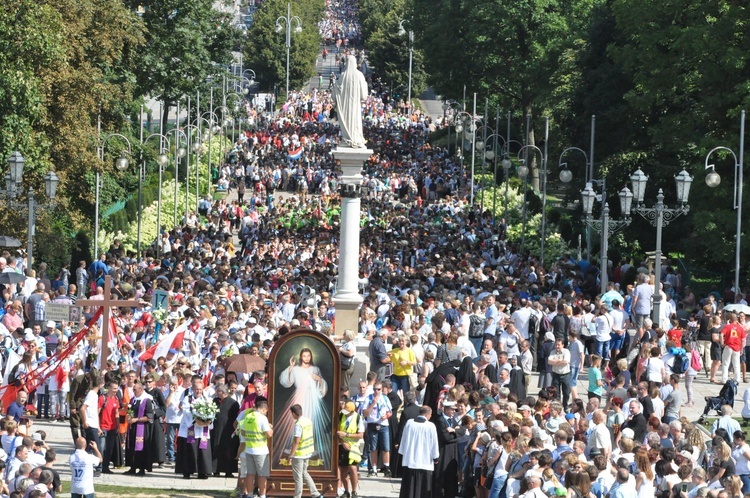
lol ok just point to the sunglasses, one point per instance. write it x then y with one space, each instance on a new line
378 389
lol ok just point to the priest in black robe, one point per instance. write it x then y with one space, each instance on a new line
435 382
445 477
410 412
158 441
140 432
223 439
392 421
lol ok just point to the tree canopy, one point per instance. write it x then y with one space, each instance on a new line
265 48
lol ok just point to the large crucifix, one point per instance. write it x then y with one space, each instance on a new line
108 303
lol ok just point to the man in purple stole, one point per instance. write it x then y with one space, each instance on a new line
140 432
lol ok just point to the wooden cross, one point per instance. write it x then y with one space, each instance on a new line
108 303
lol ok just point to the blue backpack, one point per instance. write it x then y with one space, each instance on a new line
681 360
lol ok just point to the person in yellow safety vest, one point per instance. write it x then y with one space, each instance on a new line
302 449
351 433
256 430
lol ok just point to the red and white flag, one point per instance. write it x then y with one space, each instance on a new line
173 340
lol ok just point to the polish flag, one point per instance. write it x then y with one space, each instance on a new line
173 340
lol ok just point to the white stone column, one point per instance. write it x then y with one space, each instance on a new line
347 298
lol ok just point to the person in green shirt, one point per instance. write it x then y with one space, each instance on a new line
596 382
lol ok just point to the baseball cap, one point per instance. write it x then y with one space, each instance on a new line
524 407
51 324
349 407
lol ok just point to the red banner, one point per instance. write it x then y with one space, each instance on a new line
30 381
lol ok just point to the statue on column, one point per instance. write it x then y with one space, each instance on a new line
348 94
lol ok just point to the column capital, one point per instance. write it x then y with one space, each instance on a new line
352 161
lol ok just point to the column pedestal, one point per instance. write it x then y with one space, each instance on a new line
346 297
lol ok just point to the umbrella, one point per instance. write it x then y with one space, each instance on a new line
738 308
6 241
245 363
11 277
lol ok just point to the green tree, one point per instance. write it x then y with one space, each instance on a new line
265 48
512 52
62 62
388 48
187 43
667 82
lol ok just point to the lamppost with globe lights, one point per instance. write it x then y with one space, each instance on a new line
471 132
235 109
491 155
450 105
13 186
213 129
121 164
605 226
713 180
161 160
179 153
287 23
566 176
460 118
523 173
410 33
660 216
480 145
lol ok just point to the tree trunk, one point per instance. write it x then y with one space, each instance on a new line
166 105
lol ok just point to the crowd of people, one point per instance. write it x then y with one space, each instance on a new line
489 374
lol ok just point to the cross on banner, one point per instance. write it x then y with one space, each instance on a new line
107 303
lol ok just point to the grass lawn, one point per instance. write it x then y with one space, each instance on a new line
103 490
745 427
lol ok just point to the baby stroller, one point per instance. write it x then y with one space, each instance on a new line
725 397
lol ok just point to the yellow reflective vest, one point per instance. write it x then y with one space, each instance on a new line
254 437
351 427
305 447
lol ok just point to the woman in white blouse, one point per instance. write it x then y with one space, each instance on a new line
655 367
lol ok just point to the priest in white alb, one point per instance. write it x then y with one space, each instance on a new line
419 451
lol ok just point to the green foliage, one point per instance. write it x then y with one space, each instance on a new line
265 49
187 41
388 49
129 234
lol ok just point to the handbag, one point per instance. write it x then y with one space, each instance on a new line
346 361
490 474
413 380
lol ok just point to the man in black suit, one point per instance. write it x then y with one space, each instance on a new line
445 477
636 422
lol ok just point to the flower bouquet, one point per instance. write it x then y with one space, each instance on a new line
204 410
159 315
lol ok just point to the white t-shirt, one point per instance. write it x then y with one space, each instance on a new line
7 443
603 327
264 426
655 367
173 415
618 319
82 472
92 412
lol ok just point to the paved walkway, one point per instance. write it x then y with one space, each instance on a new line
59 438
